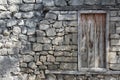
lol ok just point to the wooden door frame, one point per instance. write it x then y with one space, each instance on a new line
79 38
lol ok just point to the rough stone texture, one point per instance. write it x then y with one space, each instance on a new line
40 35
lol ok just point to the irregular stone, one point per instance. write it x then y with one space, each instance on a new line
27 58
43 58
53 67
47 47
43 26
11 23
31 77
15 1
32 65
60 3
51 16
64 47
115 66
16 30
72 77
28 15
23 65
112 57
31 31
2 8
1 45
91 2
43 40
50 58
70 23
2 23
115 48
37 47
57 40
40 76
51 77
24 30
27 7
42 53
39 1
51 32
66 59
28 53
18 15
13 8
68 66
8 45
108 2
113 13
57 24
118 30
115 36
40 33
48 2
38 6
29 1
76 2
30 24
70 29
112 27
115 42
67 17
59 53
3 1
31 38
5 14
41 67
6 33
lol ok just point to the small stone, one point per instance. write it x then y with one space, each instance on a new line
15 1
68 66
2 23
31 31
115 36
43 26
28 15
51 32
113 13
47 47
40 33
48 2
31 77
38 6
57 40
27 7
32 38
18 15
30 24
23 65
38 1
51 77
112 57
57 24
50 58
43 58
16 30
3 8
115 42
6 33
51 16
24 30
43 40
67 17
76 2
13 8
118 30
40 76
3 1
115 66
32 65
11 22
27 58
5 14
60 3
1 45
29 1
8 44
37 47
21 22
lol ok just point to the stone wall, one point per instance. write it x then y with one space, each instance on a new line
40 35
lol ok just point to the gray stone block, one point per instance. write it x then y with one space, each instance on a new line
115 66
47 47
91 2
118 30
108 2
5 15
43 26
11 23
76 2
40 33
68 66
26 7
39 1
51 16
66 59
37 47
32 65
60 3
29 1
67 17
48 2
50 58
28 15
51 32
27 58
3 1
15 1
30 23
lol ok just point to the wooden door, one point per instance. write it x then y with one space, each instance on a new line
92 40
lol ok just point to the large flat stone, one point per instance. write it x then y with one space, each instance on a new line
68 66
115 66
67 17
76 2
